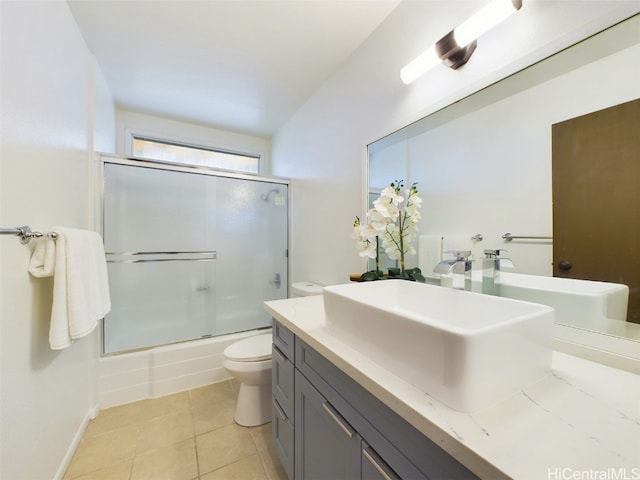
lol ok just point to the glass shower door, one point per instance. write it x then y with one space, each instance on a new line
251 227
190 255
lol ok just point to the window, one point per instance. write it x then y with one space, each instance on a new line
166 151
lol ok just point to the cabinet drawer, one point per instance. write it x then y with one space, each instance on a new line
282 384
282 432
283 338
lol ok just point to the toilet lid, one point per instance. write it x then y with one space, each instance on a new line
305 289
252 349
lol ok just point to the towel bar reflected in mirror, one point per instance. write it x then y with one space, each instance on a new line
508 237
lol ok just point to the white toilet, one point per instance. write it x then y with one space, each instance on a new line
249 362
305 289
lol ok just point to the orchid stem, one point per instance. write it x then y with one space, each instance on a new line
377 255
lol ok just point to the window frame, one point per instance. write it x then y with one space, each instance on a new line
132 134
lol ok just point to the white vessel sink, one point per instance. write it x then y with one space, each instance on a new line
465 349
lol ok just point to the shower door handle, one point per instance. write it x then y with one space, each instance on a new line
276 281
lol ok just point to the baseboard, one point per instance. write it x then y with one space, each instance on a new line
73 446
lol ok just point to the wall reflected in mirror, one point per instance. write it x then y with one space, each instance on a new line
483 164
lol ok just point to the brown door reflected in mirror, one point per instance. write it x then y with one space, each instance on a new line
596 198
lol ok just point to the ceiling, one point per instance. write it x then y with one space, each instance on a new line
239 65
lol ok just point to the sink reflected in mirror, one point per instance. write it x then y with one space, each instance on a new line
467 350
599 306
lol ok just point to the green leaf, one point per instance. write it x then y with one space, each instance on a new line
371 276
416 274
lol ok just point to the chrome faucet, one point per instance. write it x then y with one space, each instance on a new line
492 264
459 266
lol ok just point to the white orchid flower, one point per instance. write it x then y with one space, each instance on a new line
385 207
392 222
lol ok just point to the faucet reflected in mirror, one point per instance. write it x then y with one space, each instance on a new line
492 264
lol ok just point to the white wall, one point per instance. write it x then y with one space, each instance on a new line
52 96
189 133
322 145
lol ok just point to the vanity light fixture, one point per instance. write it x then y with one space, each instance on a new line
457 46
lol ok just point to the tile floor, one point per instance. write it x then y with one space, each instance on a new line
187 436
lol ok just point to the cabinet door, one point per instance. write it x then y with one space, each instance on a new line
282 381
282 432
326 446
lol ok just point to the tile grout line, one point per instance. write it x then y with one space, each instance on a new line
262 462
135 451
195 436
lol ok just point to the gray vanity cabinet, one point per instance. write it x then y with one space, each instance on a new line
344 455
327 426
282 387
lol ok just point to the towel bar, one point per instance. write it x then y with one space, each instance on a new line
508 237
25 233
145 257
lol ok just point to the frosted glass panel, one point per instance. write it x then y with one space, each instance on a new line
252 233
190 255
159 302
152 210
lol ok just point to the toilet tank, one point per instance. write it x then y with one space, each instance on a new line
305 289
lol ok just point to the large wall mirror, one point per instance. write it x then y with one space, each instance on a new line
484 164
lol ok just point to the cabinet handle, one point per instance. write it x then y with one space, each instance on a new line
342 423
279 411
376 465
278 354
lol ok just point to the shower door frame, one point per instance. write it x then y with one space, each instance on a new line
183 168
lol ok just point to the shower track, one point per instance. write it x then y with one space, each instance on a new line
142 257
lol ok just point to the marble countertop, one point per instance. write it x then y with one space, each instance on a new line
581 421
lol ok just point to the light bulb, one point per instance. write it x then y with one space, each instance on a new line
455 48
420 65
484 20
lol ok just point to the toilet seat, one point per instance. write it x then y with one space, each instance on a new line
252 349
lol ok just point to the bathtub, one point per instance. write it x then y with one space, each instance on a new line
164 370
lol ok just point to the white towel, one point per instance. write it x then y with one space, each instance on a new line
80 282
429 254
43 259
